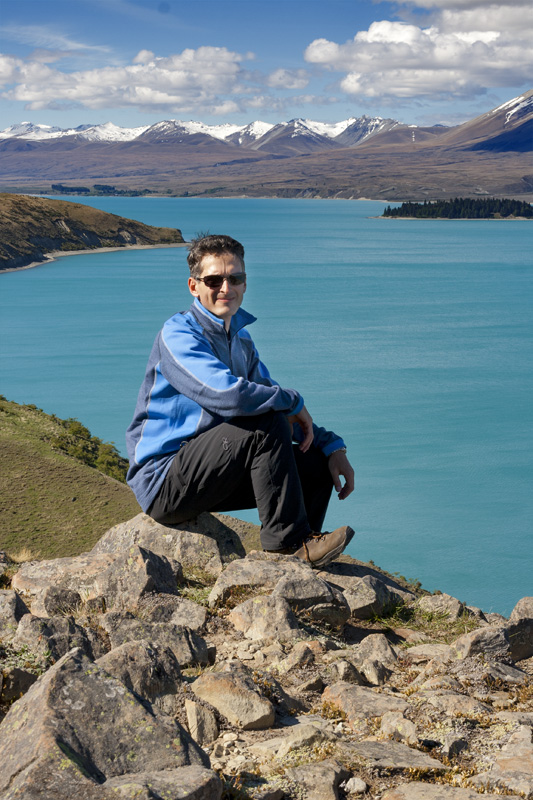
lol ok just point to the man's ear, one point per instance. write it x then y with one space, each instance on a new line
192 282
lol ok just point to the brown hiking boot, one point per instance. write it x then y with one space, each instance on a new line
319 549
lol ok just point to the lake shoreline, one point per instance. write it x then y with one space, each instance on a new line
55 254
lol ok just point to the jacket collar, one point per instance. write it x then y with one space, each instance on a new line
215 324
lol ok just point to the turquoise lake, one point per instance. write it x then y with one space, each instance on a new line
412 339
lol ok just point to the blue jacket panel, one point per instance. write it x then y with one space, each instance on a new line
197 376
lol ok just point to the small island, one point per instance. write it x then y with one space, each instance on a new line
463 208
33 229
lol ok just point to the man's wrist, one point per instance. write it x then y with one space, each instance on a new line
338 450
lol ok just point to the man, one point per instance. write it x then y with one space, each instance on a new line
213 432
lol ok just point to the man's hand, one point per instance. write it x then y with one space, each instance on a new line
305 422
339 465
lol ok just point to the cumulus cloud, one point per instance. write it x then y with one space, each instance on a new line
288 79
183 82
462 52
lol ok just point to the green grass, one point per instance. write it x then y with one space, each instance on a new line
54 504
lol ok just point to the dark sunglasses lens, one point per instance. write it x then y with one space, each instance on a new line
216 281
213 282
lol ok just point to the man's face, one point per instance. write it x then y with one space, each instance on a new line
225 301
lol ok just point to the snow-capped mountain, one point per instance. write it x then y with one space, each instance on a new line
311 134
108 132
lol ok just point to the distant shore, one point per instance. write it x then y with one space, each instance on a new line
55 254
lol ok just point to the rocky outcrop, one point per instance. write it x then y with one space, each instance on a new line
278 682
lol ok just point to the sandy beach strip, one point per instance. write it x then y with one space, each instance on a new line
55 254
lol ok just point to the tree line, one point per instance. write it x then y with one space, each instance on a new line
463 208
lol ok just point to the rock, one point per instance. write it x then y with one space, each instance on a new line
453 704
301 655
203 725
346 671
149 670
188 647
491 642
185 783
203 543
503 673
136 573
516 717
421 653
121 579
393 755
258 569
442 604
512 767
301 735
367 591
395 726
76 728
234 694
354 786
265 618
453 745
305 591
78 573
50 638
428 791
520 629
373 658
174 609
320 781
56 600
445 682
357 702
12 609
315 684
14 682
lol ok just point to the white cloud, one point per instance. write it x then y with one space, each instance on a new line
463 51
143 57
288 79
184 82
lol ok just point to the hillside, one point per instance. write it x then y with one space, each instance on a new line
53 504
30 227
364 157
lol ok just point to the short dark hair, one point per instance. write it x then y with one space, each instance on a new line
211 245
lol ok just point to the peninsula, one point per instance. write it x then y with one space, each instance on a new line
33 228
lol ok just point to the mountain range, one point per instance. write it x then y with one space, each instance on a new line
356 157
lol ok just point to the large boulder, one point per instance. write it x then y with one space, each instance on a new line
51 638
151 671
287 577
491 641
235 695
358 702
367 591
188 647
265 618
78 727
201 543
120 579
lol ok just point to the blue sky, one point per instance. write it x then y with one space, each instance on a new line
135 62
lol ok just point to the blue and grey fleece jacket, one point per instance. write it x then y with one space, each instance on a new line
199 376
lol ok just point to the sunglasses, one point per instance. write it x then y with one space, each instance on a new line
216 281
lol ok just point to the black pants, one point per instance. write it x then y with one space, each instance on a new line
249 462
